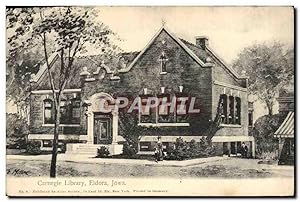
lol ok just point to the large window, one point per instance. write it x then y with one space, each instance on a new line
48 111
164 113
75 117
148 114
238 110
64 118
230 109
223 108
69 111
182 101
170 109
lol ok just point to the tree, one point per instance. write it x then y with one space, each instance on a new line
16 131
67 31
269 66
18 78
263 133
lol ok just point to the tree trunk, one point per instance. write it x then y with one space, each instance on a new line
55 139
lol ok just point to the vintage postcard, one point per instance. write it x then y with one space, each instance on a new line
150 101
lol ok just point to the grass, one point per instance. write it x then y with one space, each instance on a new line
232 168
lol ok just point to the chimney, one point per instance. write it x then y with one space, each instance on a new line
202 41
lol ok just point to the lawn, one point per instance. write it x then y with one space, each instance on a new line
232 168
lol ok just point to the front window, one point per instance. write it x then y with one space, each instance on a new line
238 110
164 114
169 108
148 114
181 107
230 109
223 108
69 111
48 112
163 63
64 112
75 114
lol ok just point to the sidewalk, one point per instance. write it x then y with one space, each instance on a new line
92 160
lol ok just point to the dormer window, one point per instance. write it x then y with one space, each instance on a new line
163 63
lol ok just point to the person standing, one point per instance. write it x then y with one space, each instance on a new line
243 149
246 151
158 150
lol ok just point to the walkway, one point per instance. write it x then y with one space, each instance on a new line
92 159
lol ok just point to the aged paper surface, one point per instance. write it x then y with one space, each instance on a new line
150 101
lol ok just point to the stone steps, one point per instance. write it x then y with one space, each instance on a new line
83 149
91 149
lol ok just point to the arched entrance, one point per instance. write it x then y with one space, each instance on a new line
102 121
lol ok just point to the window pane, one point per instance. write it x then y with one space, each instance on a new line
75 116
163 106
48 112
231 110
148 115
164 114
238 110
76 113
181 108
223 108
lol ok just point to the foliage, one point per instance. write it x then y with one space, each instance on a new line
16 131
189 150
63 147
33 147
263 133
66 31
19 73
129 149
102 152
269 66
131 131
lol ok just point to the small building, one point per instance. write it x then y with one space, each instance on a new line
168 67
285 132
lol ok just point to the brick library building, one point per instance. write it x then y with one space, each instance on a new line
168 67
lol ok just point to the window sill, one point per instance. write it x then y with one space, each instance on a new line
164 124
62 125
163 73
230 125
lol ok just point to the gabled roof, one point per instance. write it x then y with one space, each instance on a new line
196 52
52 59
182 44
94 62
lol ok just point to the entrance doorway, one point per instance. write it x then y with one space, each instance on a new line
102 129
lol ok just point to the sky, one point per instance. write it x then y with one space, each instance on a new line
229 29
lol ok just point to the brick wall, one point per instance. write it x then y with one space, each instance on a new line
37 125
182 71
221 75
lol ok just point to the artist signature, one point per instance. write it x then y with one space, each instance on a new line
15 172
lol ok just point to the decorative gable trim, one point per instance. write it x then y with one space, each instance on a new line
104 66
189 51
